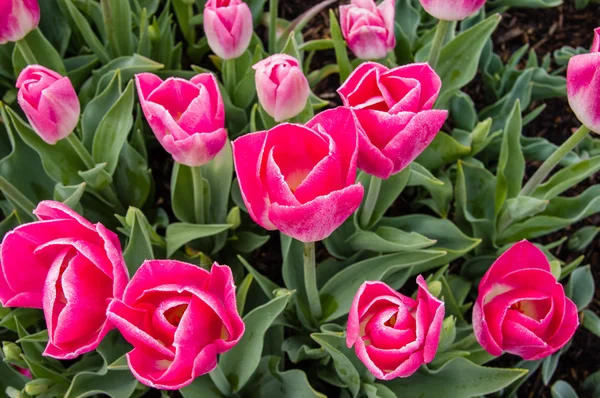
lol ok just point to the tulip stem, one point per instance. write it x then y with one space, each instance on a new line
310 281
370 202
230 77
273 6
438 42
554 159
81 150
26 52
198 187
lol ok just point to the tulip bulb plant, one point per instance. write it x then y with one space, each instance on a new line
218 199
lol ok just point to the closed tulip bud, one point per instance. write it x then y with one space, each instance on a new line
11 351
452 10
49 102
17 19
228 27
281 86
37 387
234 218
369 29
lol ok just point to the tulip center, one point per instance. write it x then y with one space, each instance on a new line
534 309
173 315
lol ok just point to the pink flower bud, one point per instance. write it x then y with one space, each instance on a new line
228 27
49 102
187 117
452 10
583 85
369 29
281 86
521 308
17 19
393 334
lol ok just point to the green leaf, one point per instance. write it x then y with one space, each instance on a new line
133 178
86 31
242 293
178 234
338 292
550 363
139 247
562 389
581 239
201 387
9 377
344 368
117 20
97 109
378 391
443 150
9 223
247 242
580 288
69 195
459 378
339 44
265 283
567 177
525 206
44 52
256 7
239 363
388 240
113 130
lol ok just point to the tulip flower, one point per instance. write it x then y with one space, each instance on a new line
369 29
583 85
521 308
452 10
394 334
178 317
228 27
281 86
17 19
187 117
73 268
300 179
49 102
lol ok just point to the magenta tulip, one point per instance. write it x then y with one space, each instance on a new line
394 110
178 317
301 179
583 85
452 10
521 308
69 267
187 117
17 19
49 102
393 334
228 27
369 29
281 86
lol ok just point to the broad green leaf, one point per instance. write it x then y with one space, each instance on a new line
201 387
525 206
550 363
267 286
86 31
562 389
117 20
388 240
43 51
567 177
292 251
583 238
242 293
69 195
79 68
178 234
189 193
128 66
139 247
247 242
443 150
9 377
133 178
257 8
580 288
378 391
97 108
55 25
300 348
345 369
592 384
21 202
459 378
239 363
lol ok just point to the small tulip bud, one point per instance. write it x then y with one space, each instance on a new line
11 351
228 27
17 19
37 387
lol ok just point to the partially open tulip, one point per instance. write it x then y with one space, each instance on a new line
281 86
368 28
17 19
69 267
583 85
452 10
178 317
49 102
187 117
394 110
228 27
521 308
300 179
393 334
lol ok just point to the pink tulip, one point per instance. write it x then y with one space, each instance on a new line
393 334
178 317
394 109
521 308
228 27
69 267
452 10
281 86
49 102
583 85
187 117
17 19
301 179
368 29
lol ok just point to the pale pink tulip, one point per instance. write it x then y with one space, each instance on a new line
228 27
17 19
369 29
281 86
394 110
187 117
49 102
583 85
301 179
521 308
178 317
69 267
393 334
452 10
